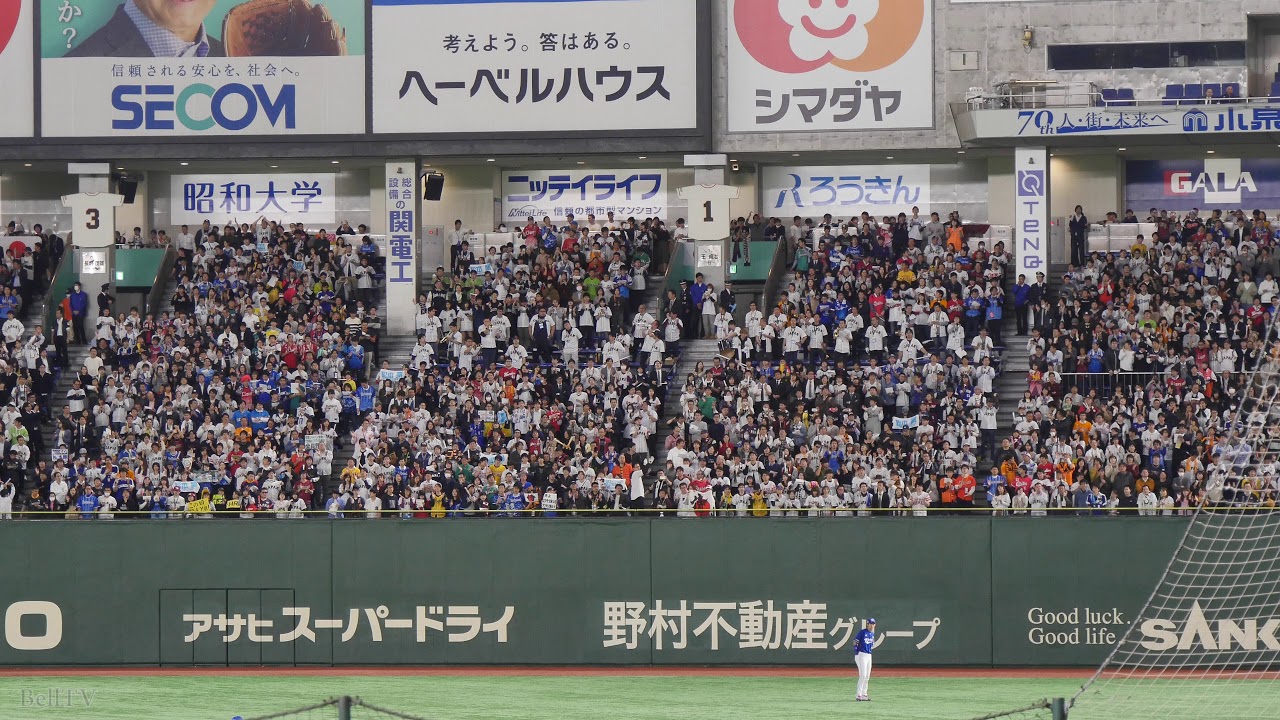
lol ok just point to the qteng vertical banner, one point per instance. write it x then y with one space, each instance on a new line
474 66
18 119
801 66
200 68
1031 210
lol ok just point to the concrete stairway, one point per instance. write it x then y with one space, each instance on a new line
692 352
58 400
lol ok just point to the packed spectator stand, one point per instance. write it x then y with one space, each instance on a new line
546 379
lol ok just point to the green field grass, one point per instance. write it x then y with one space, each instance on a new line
603 697
220 697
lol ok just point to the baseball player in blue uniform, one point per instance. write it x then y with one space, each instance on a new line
863 644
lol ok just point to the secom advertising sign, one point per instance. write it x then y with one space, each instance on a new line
15 67
798 66
201 68
475 66
1222 183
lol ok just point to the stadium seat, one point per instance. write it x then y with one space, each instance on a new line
1126 97
1109 96
1274 97
1193 91
1215 87
1235 88
1172 94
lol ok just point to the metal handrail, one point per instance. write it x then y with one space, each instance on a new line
1016 100
777 271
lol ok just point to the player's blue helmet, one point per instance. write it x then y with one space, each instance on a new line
871 621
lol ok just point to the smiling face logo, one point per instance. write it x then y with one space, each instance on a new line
823 29
796 36
9 12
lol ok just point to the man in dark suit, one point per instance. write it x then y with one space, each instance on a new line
153 28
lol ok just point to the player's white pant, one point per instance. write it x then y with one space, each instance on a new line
864 672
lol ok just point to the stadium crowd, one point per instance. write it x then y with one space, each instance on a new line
539 377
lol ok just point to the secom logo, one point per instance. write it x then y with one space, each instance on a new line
201 107
796 36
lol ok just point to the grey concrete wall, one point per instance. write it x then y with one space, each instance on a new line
995 31
37 198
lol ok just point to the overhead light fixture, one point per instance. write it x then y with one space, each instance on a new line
1211 152
26 164
119 167
1122 149
644 157
491 160
795 154
959 152
275 166
888 157
184 163
333 162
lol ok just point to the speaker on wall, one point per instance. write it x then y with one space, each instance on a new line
432 186
129 189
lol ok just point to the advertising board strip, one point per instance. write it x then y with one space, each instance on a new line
618 592
309 198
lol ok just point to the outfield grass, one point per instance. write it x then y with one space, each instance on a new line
221 697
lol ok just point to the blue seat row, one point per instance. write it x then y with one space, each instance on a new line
1189 93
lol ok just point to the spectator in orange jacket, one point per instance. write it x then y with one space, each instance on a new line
966 485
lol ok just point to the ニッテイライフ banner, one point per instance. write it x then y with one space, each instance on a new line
858 65
18 119
1031 210
201 68
559 193
845 191
453 66
308 198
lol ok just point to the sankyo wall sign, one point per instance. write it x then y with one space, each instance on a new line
830 65
110 69
474 66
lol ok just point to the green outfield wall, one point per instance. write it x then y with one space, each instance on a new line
946 591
